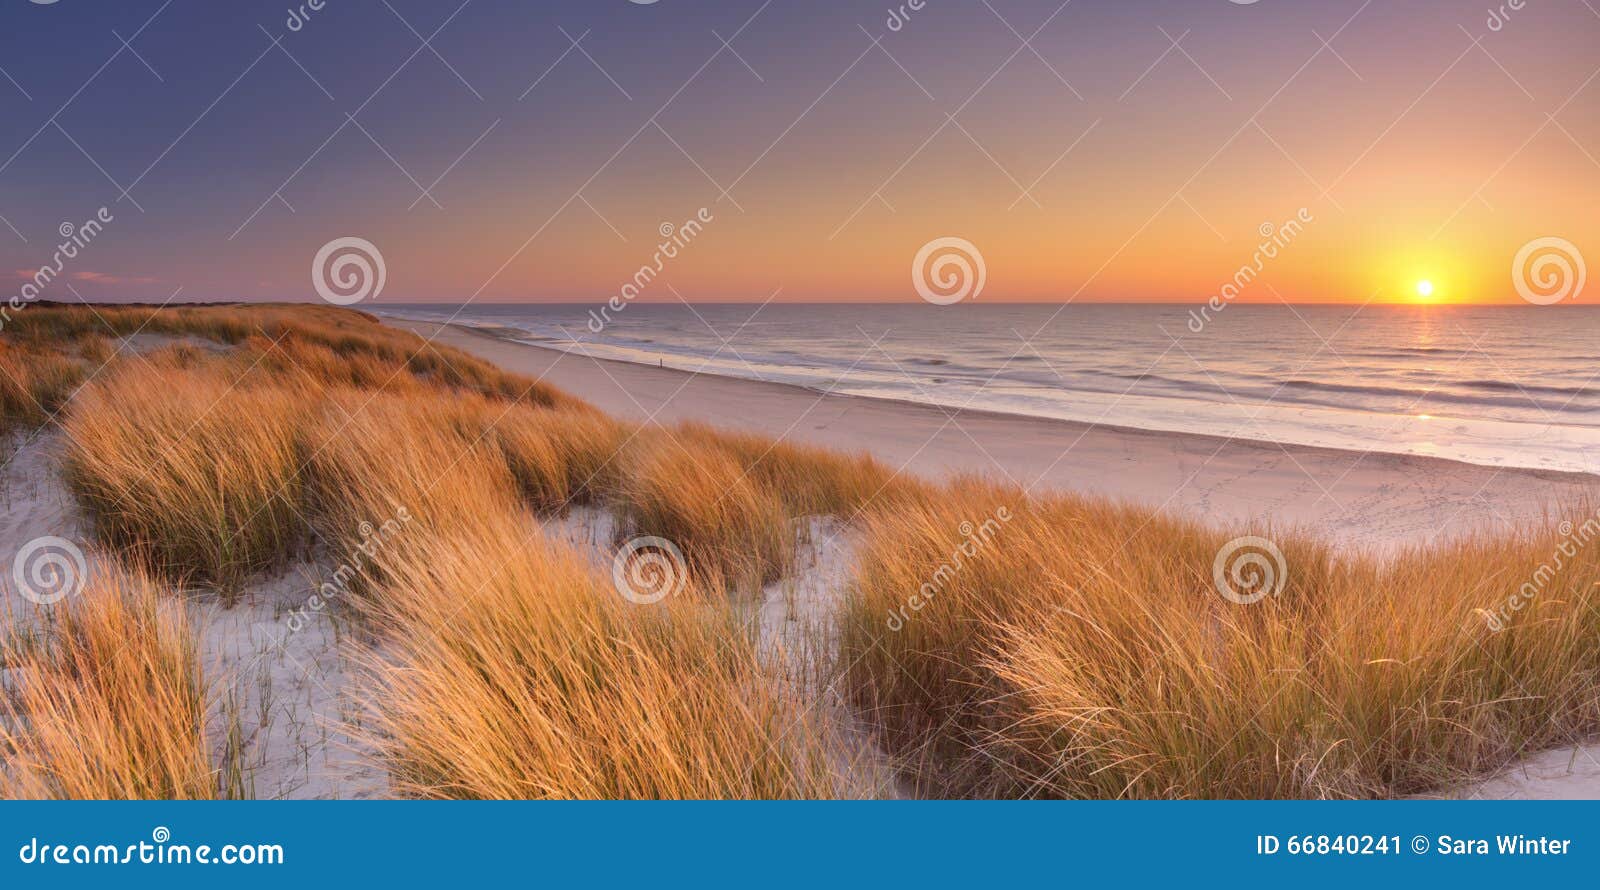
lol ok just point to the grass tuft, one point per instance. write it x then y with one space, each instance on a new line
188 472
511 669
106 702
728 523
1084 651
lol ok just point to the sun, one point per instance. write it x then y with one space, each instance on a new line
1425 289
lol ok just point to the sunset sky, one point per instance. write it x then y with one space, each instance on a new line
1097 163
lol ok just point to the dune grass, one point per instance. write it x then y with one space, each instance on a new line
211 466
386 462
511 669
323 343
35 383
1084 651
189 472
729 525
810 480
106 700
509 666
559 456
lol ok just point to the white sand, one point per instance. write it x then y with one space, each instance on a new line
1559 774
795 625
289 691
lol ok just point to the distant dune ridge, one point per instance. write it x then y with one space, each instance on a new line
508 592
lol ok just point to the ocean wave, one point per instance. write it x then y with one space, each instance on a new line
1447 392
1409 352
1544 389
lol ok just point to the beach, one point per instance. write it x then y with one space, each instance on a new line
1374 501
853 563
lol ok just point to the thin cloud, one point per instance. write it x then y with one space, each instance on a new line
106 278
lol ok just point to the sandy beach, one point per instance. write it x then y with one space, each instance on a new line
295 710
1372 500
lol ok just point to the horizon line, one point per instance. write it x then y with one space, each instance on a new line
755 302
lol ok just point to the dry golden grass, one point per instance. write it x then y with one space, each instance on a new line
559 456
194 459
107 701
324 343
811 481
730 526
511 669
35 383
211 464
403 461
188 472
1084 651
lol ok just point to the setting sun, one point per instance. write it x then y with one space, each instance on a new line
1425 289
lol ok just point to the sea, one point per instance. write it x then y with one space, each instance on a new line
1514 386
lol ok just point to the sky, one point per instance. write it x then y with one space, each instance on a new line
501 151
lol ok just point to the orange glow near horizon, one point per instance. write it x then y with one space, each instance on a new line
1282 175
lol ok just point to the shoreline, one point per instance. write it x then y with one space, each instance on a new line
1376 501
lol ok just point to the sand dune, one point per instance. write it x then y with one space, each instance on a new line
302 726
